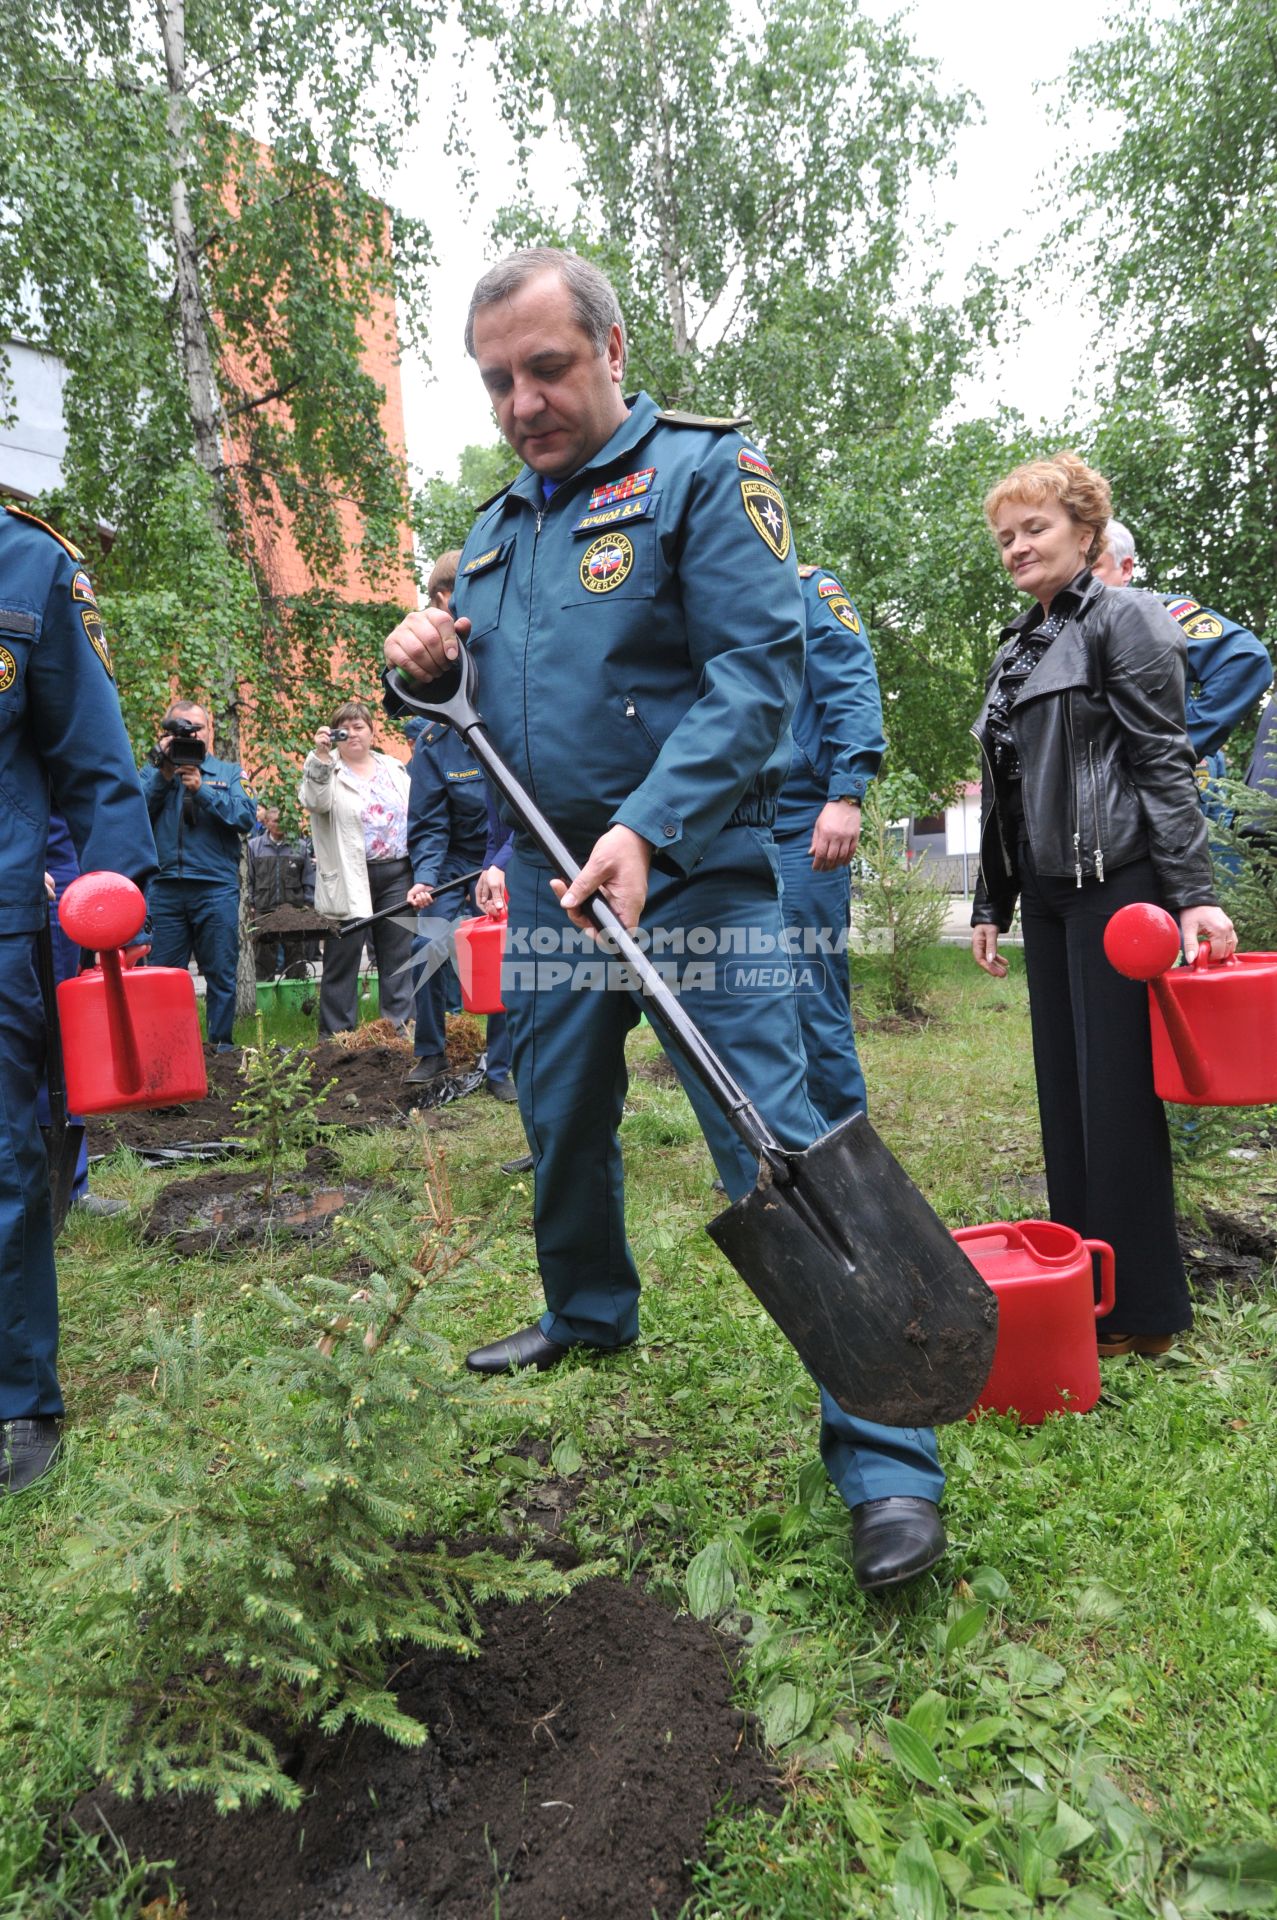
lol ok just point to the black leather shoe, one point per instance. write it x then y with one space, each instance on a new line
502 1090
31 1447
522 1165
526 1348
894 1539
428 1067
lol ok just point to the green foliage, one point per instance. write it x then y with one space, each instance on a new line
244 1569
743 178
443 510
1175 223
1247 874
127 183
280 1103
900 909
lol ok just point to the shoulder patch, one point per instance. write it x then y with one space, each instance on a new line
765 510
97 638
1203 626
675 417
20 513
82 589
841 608
492 498
828 587
1180 609
750 461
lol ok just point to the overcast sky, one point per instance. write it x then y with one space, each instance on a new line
998 49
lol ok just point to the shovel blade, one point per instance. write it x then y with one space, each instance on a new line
866 1282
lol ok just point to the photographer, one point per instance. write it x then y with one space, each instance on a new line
199 813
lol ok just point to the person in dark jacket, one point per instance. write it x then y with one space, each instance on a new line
199 814
277 878
1089 803
1229 668
60 732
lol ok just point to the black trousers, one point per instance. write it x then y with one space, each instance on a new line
1104 1136
388 881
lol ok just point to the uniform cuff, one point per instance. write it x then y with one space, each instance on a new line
662 828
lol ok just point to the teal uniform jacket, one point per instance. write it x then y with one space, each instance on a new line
639 637
837 724
200 841
60 725
1229 671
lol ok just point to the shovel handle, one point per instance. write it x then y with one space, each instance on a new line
401 906
454 703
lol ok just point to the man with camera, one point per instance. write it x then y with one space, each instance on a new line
199 813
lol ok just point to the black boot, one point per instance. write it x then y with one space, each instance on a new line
894 1539
31 1447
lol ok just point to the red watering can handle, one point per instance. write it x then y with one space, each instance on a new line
1205 958
1108 1276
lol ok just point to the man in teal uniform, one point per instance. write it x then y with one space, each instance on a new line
60 727
632 605
1229 667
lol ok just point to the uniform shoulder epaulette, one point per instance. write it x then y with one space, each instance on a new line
492 499
21 513
805 572
674 417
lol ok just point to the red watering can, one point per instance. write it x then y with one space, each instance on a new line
480 944
130 1035
1045 1360
1214 1024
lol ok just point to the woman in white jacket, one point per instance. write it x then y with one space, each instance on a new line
358 806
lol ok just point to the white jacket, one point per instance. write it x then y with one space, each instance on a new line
337 830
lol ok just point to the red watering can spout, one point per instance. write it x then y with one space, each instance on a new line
1142 941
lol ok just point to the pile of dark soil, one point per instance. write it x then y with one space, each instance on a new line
292 920
571 1772
370 1092
215 1212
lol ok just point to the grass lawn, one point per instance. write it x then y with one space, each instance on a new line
1074 1715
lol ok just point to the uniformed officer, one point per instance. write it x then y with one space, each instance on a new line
199 815
1229 669
633 606
60 727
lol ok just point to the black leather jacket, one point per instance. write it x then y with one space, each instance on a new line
1107 765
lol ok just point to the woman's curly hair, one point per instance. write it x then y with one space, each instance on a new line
1079 489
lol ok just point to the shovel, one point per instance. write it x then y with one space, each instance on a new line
836 1242
401 906
62 1137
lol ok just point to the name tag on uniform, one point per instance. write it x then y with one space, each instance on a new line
482 561
463 773
613 516
17 620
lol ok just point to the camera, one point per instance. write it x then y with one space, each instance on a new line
185 748
340 733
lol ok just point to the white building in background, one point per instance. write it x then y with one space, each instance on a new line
33 442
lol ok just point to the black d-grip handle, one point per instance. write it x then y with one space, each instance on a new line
450 697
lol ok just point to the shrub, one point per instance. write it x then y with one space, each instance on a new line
902 908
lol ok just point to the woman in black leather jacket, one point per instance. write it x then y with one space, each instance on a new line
1089 802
